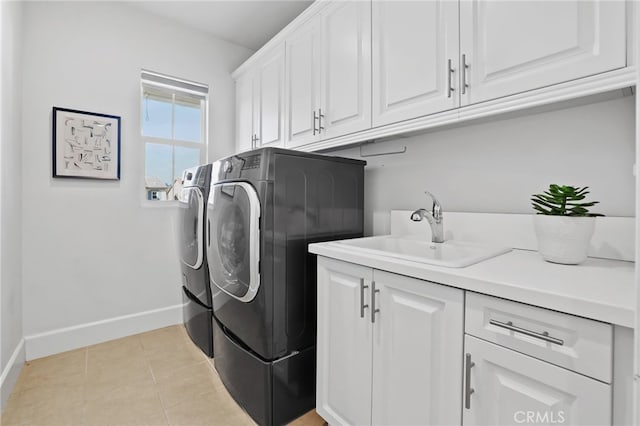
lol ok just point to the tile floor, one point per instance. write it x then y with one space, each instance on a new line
154 378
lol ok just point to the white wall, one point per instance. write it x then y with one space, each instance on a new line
11 347
494 167
92 251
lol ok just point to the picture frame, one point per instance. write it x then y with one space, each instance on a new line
85 144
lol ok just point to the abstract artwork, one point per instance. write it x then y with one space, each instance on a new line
85 144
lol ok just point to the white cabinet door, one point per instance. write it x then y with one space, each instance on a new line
303 84
244 113
346 60
270 97
344 343
413 43
417 352
510 388
515 46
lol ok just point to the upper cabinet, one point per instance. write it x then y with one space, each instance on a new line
415 56
351 71
328 87
260 104
511 47
245 137
303 85
346 66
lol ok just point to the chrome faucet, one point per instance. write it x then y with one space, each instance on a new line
434 218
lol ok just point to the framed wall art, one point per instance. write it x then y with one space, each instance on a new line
85 144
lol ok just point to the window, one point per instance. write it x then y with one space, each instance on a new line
174 132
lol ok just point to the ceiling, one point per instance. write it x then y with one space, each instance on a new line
249 23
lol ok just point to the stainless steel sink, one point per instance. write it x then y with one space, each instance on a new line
452 254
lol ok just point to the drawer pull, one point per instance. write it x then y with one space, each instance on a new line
542 336
467 379
363 306
450 71
374 310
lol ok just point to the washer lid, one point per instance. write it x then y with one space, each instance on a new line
233 239
191 209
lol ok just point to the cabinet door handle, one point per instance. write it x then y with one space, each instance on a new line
450 72
256 141
315 118
373 301
467 380
463 69
542 336
320 117
362 304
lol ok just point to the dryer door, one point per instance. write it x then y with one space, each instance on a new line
191 209
233 239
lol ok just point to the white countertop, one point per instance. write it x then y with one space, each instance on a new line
599 289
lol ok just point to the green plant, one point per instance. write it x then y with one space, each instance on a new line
563 200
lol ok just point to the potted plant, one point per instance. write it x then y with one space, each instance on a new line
563 223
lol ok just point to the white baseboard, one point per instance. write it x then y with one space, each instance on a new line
69 338
10 374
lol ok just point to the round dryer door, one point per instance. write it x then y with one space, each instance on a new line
191 209
233 239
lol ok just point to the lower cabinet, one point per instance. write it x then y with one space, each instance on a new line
395 350
505 387
389 348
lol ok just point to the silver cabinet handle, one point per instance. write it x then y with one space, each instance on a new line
450 71
463 69
362 304
467 380
315 118
257 139
253 141
542 336
373 301
320 117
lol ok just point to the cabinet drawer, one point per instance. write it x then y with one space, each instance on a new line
576 343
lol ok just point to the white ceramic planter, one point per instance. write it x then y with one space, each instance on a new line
563 239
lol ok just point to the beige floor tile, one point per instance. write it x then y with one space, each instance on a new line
163 338
117 349
127 406
107 391
165 361
118 362
309 419
132 371
65 369
46 405
186 383
208 409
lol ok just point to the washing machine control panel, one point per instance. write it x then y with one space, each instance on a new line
245 166
251 162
